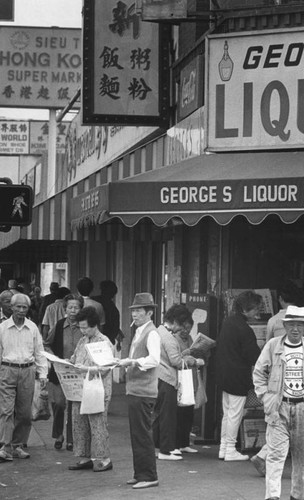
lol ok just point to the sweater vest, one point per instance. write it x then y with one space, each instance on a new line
138 382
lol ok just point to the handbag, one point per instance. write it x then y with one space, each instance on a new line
92 395
40 404
200 395
185 389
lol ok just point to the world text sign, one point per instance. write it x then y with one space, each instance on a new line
40 67
255 91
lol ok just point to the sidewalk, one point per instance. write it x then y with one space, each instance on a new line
45 476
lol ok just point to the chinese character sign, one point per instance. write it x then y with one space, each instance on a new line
39 137
14 137
121 80
40 67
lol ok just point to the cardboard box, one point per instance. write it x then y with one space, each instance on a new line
252 433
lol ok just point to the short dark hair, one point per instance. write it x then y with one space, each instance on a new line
108 288
54 286
289 292
62 292
148 308
246 301
88 314
178 313
73 296
85 286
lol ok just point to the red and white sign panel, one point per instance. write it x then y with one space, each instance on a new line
40 67
254 91
125 73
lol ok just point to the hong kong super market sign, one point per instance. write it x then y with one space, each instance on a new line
39 67
255 90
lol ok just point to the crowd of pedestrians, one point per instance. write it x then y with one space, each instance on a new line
64 323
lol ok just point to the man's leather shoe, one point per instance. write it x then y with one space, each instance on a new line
98 466
69 446
132 481
82 465
144 484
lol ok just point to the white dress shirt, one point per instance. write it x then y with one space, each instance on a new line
22 345
153 346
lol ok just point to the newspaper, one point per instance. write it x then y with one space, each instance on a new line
71 379
101 354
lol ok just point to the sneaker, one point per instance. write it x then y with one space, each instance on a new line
259 464
222 453
163 456
19 452
5 456
176 452
188 449
235 456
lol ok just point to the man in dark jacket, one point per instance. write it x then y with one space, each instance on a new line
237 353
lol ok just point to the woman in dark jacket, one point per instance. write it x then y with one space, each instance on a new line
62 341
237 352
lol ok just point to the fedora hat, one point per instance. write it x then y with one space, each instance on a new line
294 313
143 299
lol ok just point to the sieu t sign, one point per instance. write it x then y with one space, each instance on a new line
16 202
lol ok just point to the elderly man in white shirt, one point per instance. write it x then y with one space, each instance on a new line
141 387
20 357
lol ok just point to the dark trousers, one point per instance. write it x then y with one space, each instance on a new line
184 425
164 425
58 421
140 420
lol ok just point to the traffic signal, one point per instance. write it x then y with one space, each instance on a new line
6 10
16 202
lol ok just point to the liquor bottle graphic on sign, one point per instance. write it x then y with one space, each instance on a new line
225 65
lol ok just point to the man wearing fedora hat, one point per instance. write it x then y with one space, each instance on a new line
278 378
141 388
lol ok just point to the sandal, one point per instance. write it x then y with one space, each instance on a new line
58 443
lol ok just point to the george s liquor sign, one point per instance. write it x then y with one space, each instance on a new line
255 90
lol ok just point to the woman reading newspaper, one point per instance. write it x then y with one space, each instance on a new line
90 430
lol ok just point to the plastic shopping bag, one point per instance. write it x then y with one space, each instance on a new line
200 395
185 389
92 395
40 404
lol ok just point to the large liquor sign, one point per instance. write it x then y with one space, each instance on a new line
255 90
125 66
40 67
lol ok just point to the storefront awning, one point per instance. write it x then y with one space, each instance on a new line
221 186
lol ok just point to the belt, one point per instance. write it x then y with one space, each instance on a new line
17 365
293 401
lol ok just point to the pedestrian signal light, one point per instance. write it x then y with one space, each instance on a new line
16 202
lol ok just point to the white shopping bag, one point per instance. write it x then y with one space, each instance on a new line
185 390
92 395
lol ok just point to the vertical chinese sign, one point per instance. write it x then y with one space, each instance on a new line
125 66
